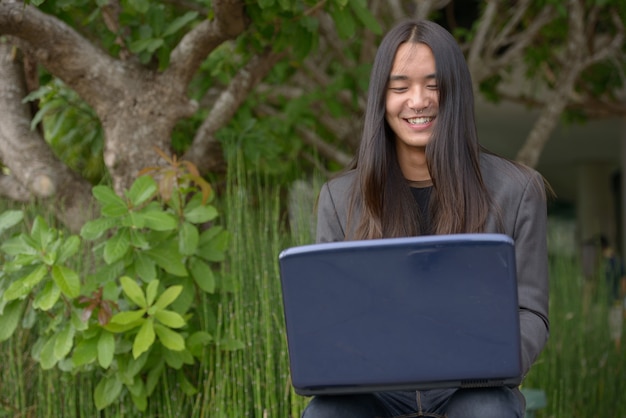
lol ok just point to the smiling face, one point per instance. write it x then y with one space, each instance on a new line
412 98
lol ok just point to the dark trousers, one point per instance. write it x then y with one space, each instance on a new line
501 402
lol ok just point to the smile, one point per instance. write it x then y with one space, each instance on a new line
420 120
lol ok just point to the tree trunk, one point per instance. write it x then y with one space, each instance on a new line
35 172
137 106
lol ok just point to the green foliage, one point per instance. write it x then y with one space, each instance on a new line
489 88
147 31
71 127
131 312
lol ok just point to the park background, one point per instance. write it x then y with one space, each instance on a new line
237 111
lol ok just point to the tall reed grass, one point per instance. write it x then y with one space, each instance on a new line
580 370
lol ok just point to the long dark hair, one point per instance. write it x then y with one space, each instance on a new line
381 196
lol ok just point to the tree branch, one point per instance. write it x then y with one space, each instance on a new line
558 99
13 189
229 21
31 162
501 39
478 44
523 39
613 47
203 149
63 51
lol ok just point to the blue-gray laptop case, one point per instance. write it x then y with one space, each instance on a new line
402 314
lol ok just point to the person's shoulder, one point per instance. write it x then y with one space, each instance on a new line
501 173
499 168
342 182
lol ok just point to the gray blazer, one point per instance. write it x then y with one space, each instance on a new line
520 204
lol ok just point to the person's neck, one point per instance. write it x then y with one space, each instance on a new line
413 165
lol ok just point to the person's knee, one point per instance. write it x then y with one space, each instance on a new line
350 406
485 403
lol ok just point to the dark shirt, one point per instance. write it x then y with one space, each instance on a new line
421 192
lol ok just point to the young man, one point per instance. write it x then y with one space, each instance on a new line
420 170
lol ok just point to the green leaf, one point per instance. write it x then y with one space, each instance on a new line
197 212
150 45
168 296
46 299
214 249
188 238
22 287
197 341
134 220
144 339
361 10
107 196
106 349
140 400
145 267
18 245
170 339
107 391
64 342
202 274
114 210
117 246
10 318
344 21
48 108
157 220
85 352
142 189
151 292
187 297
153 376
179 22
168 258
170 318
303 42
141 6
41 233
135 385
133 291
135 365
95 229
128 317
67 280
186 385
174 358
19 262
68 248
138 239
230 344
47 359
123 325
10 218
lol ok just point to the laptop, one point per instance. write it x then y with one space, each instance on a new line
413 313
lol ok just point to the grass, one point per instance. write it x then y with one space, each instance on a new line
580 370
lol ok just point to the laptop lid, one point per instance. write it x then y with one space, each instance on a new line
402 314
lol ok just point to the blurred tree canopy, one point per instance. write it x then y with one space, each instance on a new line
91 89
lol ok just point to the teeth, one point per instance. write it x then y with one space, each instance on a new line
418 121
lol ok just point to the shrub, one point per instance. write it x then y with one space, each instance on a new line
120 296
